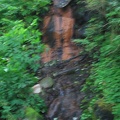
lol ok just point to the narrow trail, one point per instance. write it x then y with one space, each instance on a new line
63 99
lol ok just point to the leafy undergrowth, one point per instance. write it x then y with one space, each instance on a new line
20 48
103 43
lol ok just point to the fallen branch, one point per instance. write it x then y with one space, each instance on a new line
71 71
66 61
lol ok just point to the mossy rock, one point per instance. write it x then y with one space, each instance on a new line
47 82
103 105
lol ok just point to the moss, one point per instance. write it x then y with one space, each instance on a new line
103 105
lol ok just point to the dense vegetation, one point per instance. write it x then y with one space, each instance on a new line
20 49
102 42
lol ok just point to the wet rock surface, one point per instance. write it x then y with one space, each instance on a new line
58 32
60 27
64 98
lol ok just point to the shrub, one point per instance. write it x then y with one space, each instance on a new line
103 44
20 48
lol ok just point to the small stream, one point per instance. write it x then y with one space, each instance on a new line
64 98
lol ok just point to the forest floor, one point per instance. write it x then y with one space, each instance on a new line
64 98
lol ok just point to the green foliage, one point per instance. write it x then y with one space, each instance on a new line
103 43
22 45
22 9
31 114
20 49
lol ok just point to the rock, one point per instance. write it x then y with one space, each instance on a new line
37 88
61 3
103 114
75 118
47 82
